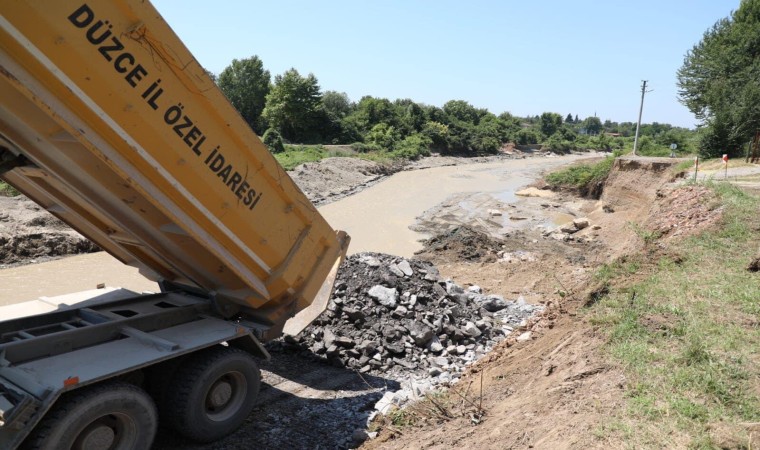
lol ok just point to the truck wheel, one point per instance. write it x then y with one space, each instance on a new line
112 416
212 393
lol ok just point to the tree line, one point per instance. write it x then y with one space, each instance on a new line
719 82
292 108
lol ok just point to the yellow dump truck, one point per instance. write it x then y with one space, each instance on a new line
108 122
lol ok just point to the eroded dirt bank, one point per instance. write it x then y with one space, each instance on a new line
553 389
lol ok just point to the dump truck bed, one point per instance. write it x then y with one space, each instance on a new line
108 122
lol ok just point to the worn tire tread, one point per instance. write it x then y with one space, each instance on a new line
182 386
65 406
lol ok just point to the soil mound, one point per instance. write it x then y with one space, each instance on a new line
28 232
331 179
463 244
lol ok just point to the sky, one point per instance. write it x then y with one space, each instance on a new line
583 57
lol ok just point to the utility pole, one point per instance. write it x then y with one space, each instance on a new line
641 109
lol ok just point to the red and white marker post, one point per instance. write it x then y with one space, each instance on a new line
725 164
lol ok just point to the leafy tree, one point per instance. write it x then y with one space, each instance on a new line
273 141
592 124
337 104
371 111
294 106
720 81
246 85
383 135
412 147
526 136
549 123
462 111
569 118
576 119
411 116
438 134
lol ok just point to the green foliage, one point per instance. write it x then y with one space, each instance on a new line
718 81
361 147
550 123
438 134
294 107
462 111
273 141
295 155
680 330
6 190
593 125
527 136
581 176
559 145
383 136
413 147
246 85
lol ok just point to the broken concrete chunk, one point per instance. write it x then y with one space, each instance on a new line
393 268
470 329
385 296
406 268
581 223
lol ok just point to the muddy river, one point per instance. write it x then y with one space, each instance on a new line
378 219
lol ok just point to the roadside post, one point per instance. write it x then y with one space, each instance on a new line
696 167
725 166
673 148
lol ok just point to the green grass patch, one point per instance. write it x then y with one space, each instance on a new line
6 190
581 176
686 334
295 155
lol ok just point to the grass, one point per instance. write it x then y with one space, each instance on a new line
581 175
6 190
687 334
295 155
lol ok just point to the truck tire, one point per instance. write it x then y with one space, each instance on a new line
111 416
212 393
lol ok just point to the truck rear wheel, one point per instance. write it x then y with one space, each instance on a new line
212 393
112 416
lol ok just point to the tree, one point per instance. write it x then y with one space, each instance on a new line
273 141
294 107
246 85
569 118
337 104
592 124
719 81
549 123
462 111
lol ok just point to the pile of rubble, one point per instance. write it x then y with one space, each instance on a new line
397 318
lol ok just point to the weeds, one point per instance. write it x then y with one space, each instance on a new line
6 190
685 339
581 176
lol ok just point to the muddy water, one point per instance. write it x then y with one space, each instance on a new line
377 219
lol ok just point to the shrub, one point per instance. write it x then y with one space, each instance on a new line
413 147
273 141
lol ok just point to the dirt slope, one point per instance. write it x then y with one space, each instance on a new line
553 389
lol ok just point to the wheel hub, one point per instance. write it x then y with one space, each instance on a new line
220 394
101 437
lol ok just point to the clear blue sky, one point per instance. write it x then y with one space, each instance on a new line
581 57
